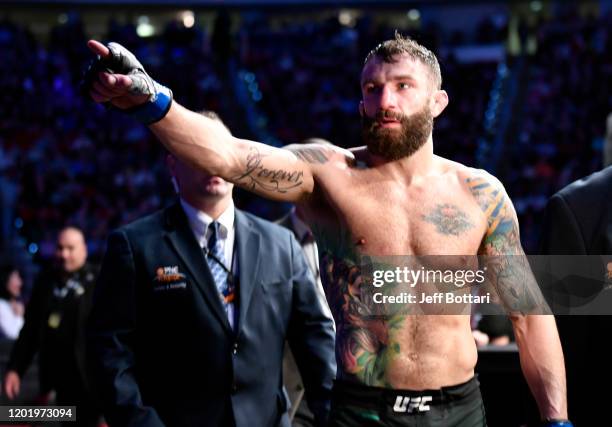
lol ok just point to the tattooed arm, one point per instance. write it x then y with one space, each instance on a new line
271 172
537 338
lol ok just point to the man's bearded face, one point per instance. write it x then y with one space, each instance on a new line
394 143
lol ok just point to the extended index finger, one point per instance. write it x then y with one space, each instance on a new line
98 48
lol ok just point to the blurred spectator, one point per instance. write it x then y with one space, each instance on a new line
55 328
608 143
491 324
68 167
11 307
496 328
562 119
65 167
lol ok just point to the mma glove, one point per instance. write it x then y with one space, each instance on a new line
122 61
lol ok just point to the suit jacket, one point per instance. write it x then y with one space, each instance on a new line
310 252
165 351
54 327
579 222
300 414
579 217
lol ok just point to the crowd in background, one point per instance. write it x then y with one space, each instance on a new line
309 77
561 124
65 160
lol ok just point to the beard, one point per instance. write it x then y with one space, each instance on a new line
394 144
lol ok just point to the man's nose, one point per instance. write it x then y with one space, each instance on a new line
387 99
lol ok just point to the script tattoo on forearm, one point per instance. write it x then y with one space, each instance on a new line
449 219
256 176
508 268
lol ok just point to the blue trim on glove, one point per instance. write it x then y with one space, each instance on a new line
558 423
155 109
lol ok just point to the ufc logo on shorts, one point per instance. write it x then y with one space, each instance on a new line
409 405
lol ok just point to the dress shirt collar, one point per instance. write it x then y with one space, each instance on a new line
199 221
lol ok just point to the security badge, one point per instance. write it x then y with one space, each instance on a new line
55 318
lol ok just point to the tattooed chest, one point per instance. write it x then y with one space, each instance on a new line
438 228
371 338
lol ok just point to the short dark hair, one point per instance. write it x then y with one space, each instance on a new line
400 45
5 273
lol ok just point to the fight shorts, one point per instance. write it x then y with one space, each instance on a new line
357 405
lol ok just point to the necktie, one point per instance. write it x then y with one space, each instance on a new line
216 262
307 238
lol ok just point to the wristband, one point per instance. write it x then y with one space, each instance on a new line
557 423
155 109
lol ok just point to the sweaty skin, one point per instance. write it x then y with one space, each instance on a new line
362 205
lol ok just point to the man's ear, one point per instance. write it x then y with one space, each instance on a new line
440 101
361 109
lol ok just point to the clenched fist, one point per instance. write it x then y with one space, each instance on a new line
117 78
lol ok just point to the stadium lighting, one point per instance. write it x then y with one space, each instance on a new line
414 15
144 27
536 6
188 18
346 18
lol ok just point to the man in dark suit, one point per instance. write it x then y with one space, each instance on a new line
54 327
192 311
579 222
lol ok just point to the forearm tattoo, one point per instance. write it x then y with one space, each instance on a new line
256 176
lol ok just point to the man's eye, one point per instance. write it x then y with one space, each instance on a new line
404 85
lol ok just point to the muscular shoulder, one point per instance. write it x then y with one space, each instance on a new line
481 184
502 235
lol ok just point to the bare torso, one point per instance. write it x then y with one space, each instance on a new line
359 212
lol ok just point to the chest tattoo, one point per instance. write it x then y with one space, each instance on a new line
448 219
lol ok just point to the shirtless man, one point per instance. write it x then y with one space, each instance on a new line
392 197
